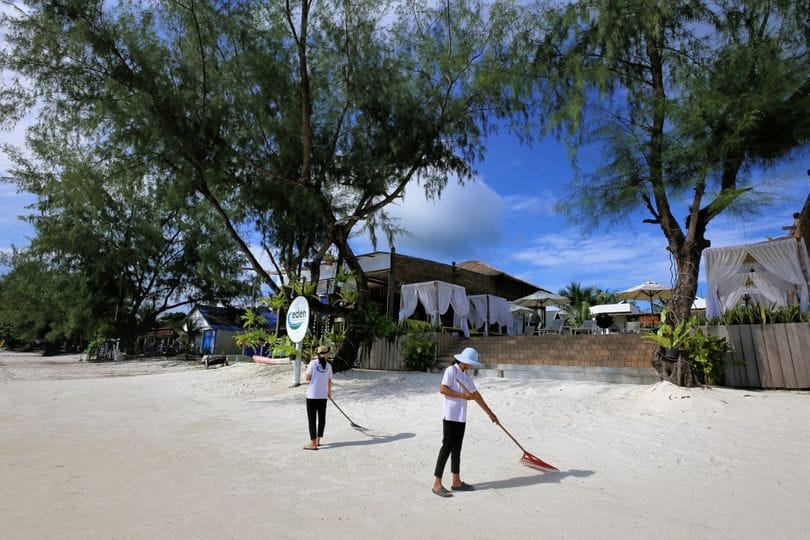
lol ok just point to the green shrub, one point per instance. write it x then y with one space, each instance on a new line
759 314
707 354
372 324
283 346
412 326
418 352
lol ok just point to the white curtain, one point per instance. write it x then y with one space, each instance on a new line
721 264
436 297
486 309
478 310
461 307
408 300
500 313
781 258
780 272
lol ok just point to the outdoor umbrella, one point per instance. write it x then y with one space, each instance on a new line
649 291
541 299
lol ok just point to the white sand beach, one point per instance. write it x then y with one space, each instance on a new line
165 449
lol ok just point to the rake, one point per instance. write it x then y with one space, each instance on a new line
356 426
527 459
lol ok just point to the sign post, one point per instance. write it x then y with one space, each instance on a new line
297 326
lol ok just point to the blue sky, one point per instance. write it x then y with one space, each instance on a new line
507 218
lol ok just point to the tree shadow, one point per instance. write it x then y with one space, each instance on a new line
533 479
373 439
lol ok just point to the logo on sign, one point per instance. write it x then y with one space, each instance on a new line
298 319
295 319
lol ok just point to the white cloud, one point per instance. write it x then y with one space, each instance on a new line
611 261
544 204
459 225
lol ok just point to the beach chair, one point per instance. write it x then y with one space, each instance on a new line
555 326
587 327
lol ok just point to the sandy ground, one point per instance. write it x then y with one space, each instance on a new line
164 449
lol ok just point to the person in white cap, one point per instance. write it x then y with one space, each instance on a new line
319 375
457 388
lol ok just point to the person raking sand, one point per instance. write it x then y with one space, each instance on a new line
457 387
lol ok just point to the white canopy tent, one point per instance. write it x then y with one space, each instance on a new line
436 297
486 309
774 273
622 308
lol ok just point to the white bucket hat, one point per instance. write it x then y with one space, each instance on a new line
469 356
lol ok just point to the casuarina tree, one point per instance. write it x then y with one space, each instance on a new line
680 99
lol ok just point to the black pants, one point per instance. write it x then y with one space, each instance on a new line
452 438
316 409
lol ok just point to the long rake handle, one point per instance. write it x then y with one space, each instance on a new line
499 424
344 414
513 439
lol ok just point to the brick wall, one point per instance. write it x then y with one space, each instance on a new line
610 350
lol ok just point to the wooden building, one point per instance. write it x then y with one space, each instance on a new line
388 271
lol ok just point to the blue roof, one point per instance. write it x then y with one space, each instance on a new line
229 318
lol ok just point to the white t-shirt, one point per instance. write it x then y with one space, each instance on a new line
318 387
455 409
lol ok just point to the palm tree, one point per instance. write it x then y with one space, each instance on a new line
580 299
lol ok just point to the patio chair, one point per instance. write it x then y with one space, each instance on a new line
555 326
587 327
633 327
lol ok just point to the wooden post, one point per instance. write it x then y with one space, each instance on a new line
392 285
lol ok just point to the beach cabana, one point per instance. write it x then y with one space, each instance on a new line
436 297
773 273
486 309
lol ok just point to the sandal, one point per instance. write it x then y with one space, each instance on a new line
464 486
310 448
442 492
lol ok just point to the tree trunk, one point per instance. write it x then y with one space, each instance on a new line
677 371
345 356
687 260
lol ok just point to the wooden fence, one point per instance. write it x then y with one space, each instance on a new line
767 356
384 353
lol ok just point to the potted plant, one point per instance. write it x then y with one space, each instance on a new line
670 338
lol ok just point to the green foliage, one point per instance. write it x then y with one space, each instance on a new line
276 302
759 314
209 95
283 346
251 319
412 326
334 337
343 275
40 304
418 352
371 323
708 355
679 118
254 338
302 287
668 336
349 296
187 332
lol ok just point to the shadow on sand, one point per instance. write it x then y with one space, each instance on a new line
532 479
373 439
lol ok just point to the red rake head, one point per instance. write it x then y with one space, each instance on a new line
534 462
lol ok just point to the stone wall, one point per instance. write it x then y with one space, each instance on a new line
616 358
608 350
